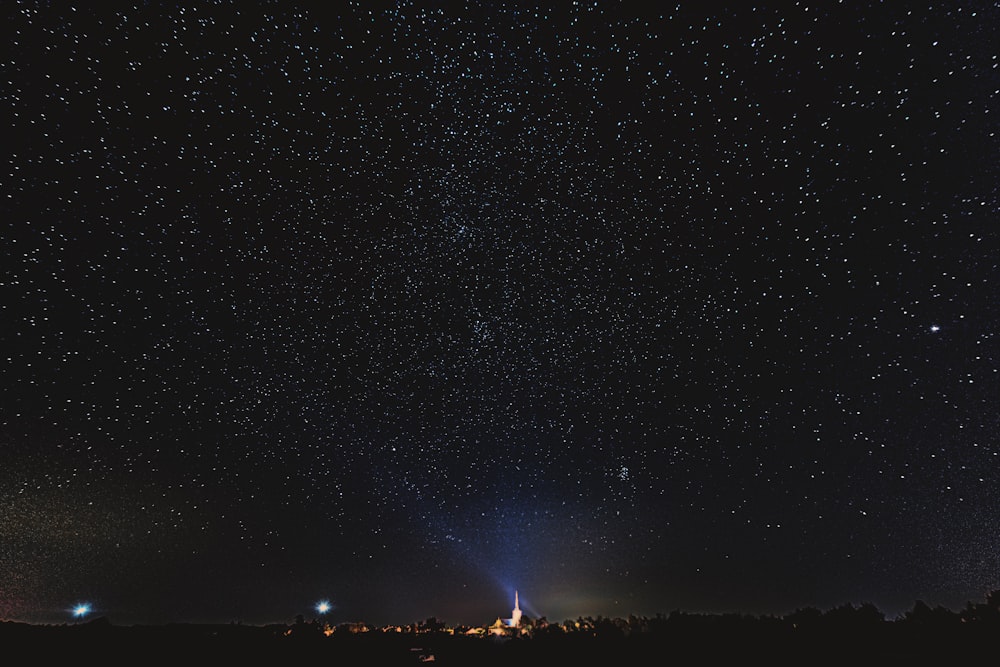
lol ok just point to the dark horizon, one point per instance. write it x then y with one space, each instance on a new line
857 635
406 306
970 609
986 611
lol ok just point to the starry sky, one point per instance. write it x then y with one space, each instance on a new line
408 305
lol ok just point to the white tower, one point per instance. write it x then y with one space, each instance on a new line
515 616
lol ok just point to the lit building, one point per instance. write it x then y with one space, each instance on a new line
503 626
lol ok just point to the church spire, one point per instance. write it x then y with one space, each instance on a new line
515 617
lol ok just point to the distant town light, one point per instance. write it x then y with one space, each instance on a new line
81 610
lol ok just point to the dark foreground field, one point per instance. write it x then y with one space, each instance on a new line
679 640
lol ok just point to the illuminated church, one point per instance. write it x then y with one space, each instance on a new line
504 625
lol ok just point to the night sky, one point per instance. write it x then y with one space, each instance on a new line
407 306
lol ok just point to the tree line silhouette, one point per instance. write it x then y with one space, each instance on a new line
848 634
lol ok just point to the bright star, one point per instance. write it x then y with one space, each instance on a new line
935 328
323 607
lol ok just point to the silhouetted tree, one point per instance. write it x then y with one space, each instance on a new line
805 618
606 628
432 624
922 615
848 617
983 613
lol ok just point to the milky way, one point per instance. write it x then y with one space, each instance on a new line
406 305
